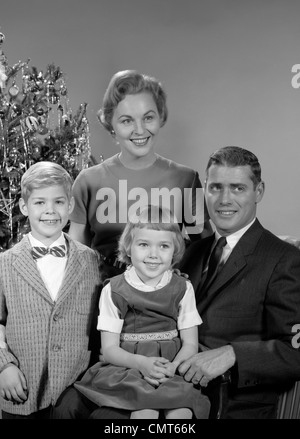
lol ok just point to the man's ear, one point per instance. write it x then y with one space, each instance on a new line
205 188
23 207
71 205
260 190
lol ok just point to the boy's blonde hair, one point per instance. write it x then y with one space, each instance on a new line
43 174
153 218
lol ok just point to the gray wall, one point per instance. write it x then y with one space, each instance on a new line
226 66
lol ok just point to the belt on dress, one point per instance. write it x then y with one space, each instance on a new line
147 336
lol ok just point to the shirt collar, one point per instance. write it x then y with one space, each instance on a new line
233 239
35 242
133 279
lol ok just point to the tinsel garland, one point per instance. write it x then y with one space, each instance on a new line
36 123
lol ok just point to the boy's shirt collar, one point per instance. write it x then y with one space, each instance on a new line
36 243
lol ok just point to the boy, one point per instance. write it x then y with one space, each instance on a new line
49 288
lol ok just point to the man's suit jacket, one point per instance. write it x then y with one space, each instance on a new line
253 304
48 341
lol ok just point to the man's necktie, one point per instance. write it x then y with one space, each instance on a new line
59 251
214 263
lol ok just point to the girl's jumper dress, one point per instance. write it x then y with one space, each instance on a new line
150 329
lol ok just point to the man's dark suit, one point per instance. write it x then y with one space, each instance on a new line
252 305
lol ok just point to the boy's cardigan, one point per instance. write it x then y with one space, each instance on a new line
48 341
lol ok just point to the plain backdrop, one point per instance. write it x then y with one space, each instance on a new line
226 66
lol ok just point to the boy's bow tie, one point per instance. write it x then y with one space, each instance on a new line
59 251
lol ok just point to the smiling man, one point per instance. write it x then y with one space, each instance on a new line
251 303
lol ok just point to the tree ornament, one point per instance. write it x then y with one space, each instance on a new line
51 87
43 130
13 91
40 111
13 155
3 75
14 189
14 180
17 109
36 152
63 90
53 98
66 120
31 123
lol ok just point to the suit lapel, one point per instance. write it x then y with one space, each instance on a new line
205 253
74 271
194 261
27 268
235 263
25 265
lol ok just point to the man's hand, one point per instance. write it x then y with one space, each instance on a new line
13 385
205 366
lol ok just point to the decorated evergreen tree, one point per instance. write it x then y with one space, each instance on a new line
36 123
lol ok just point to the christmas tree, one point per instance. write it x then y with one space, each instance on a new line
36 123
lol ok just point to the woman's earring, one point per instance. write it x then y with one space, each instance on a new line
113 134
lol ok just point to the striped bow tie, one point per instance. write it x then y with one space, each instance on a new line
59 251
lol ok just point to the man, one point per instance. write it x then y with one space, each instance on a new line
251 308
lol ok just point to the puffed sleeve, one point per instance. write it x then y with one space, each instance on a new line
188 315
109 316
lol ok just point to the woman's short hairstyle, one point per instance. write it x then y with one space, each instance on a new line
153 218
44 174
233 156
130 82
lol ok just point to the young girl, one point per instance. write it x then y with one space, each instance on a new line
149 325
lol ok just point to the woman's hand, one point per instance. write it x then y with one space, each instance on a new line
178 272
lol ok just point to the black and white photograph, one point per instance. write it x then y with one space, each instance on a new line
149 213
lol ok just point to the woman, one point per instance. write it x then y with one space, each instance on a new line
134 109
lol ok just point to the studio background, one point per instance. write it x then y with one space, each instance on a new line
226 66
